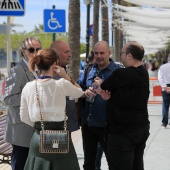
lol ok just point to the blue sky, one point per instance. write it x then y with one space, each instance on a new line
34 14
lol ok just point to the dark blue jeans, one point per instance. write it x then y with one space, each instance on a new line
18 157
166 103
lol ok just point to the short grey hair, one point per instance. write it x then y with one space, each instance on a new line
23 44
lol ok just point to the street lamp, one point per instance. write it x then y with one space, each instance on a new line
88 3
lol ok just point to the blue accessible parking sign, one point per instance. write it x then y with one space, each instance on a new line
12 7
54 20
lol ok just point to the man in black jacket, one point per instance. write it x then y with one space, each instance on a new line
127 92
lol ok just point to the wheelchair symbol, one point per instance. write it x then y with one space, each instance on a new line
54 22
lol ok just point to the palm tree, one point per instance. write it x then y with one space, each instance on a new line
95 36
38 29
74 37
118 35
105 21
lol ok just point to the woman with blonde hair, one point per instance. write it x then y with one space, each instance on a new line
52 94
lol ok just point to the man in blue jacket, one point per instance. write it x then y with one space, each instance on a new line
93 118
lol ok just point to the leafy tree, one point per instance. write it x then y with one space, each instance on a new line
45 38
39 29
82 48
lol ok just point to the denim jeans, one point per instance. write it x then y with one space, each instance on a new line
18 157
165 109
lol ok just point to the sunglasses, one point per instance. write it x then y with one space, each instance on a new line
32 50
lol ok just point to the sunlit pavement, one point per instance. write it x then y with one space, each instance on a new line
157 151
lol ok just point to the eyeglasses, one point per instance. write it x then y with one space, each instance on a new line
32 50
120 53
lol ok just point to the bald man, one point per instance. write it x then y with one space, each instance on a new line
128 123
93 117
64 52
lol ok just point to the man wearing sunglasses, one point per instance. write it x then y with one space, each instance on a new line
32 50
64 52
19 134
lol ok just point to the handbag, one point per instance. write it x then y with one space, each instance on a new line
53 141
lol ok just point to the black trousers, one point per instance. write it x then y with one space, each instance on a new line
91 137
18 157
126 150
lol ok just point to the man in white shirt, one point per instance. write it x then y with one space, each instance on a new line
164 80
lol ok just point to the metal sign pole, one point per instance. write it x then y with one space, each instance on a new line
54 37
87 31
8 45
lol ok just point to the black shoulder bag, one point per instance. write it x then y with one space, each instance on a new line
52 141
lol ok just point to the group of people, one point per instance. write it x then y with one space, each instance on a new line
116 118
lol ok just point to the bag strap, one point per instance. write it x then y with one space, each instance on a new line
86 75
38 105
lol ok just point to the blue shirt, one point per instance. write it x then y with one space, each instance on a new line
94 114
81 65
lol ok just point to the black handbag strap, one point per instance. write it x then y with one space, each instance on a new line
86 75
38 105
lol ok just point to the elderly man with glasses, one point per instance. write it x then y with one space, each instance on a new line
17 133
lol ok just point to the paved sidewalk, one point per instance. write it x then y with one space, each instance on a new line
157 151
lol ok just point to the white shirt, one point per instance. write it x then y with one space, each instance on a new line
52 95
164 75
36 69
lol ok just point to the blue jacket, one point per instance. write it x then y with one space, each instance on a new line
94 114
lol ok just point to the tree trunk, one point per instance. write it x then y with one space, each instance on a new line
116 45
118 38
95 36
74 37
105 22
120 32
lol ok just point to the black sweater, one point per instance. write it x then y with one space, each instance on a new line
127 107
